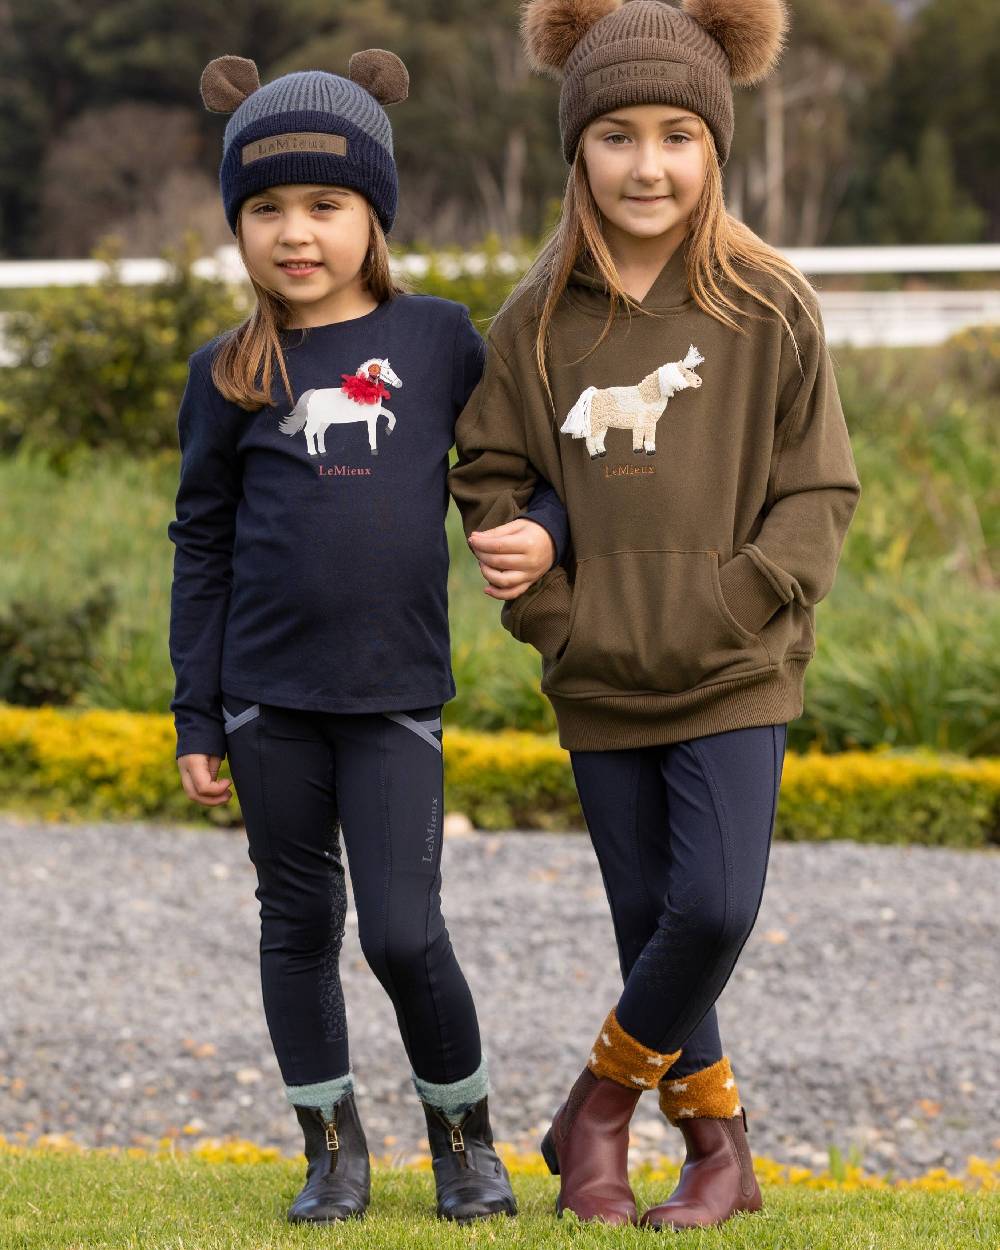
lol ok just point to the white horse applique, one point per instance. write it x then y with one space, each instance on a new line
635 408
359 399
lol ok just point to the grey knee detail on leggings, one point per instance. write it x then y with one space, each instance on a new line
234 722
324 1094
422 728
456 1097
331 992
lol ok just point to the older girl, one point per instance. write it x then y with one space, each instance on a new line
666 370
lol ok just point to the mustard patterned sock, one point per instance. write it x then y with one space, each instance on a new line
619 1057
710 1093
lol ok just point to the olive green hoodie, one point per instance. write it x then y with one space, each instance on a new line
709 491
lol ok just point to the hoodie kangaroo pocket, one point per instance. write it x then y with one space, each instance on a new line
541 615
651 621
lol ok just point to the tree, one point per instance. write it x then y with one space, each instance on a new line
919 201
112 167
62 58
946 76
795 147
477 141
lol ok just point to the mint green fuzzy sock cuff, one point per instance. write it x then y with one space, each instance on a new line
456 1097
324 1094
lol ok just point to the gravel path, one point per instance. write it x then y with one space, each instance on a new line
863 1010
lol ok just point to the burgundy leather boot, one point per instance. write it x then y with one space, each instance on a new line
717 1178
587 1148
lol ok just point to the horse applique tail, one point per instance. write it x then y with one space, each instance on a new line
296 419
578 421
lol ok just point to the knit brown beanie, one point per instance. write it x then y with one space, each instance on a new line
611 54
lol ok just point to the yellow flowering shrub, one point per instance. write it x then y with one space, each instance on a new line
67 765
73 765
884 796
980 1176
510 780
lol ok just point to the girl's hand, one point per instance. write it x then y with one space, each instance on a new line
199 777
513 557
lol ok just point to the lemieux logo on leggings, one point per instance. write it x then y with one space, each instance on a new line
430 836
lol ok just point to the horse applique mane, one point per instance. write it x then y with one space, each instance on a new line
358 399
636 408
363 390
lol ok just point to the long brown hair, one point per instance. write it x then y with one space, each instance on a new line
246 360
716 244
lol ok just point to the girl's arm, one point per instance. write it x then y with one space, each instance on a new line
813 491
521 554
494 479
203 535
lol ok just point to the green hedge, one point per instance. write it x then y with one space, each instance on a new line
65 765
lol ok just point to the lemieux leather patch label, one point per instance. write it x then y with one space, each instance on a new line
303 141
636 71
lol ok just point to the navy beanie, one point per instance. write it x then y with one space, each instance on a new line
308 127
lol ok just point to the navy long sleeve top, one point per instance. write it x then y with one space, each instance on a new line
311 559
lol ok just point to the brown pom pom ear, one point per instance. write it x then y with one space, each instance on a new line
551 29
227 81
382 73
752 33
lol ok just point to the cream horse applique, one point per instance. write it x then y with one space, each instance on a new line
359 399
635 408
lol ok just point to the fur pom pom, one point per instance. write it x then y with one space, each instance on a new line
751 32
382 73
227 81
551 29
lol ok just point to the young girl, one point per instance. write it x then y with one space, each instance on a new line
666 371
309 628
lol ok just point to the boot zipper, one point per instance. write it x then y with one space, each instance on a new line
330 1130
455 1130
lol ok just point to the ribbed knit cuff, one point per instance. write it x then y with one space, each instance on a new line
620 1057
366 166
200 735
324 1094
541 615
456 1097
749 597
710 1093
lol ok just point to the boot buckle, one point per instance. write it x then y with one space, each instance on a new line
332 1140
457 1140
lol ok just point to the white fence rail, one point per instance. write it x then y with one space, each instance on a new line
859 318
904 318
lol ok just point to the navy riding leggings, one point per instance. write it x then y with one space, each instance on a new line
682 835
302 778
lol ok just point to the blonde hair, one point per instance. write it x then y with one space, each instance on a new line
246 360
716 244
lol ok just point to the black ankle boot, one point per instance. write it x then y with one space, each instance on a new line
338 1178
472 1183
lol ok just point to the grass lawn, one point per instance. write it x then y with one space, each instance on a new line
63 1201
